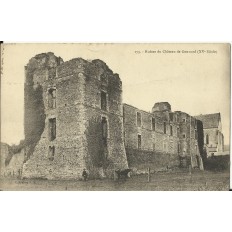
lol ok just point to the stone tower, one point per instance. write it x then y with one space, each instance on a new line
73 118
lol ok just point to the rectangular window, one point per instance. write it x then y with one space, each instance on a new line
171 117
178 148
139 119
139 142
195 123
52 129
178 132
171 131
164 127
184 136
195 134
52 98
51 153
153 124
103 101
104 131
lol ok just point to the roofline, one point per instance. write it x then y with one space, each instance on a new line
200 115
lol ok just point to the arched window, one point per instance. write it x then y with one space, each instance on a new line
207 139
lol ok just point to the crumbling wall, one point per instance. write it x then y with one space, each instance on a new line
34 122
69 114
78 115
104 156
36 72
172 140
152 139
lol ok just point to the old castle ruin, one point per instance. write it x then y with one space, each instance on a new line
75 120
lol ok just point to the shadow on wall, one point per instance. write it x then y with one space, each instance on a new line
35 121
97 149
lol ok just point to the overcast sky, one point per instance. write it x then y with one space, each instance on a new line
195 83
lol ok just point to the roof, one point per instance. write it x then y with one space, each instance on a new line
209 120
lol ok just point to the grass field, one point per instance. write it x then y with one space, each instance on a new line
198 181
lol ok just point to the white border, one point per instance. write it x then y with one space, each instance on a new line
115 21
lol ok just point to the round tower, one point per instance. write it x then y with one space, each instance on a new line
161 107
39 69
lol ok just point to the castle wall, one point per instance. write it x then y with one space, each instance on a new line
169 142
72 97
158 149
189 147
75 120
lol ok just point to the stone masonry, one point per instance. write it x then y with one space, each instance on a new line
168 139
81 121
75 120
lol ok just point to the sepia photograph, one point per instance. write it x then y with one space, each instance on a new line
115 117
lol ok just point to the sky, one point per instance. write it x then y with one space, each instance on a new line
193 78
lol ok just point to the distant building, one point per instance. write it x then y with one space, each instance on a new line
213 137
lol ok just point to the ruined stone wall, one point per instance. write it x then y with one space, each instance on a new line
152 139
132 130
104 157
68 161
189 146
77 86
39 70
82 100
172 141
140 160
158 147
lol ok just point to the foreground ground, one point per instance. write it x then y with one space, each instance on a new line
199 180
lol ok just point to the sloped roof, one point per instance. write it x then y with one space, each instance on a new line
209 120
